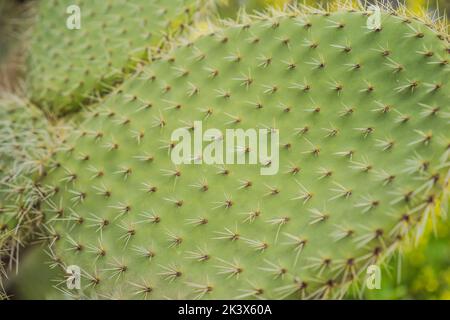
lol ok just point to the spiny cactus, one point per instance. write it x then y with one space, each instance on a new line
69 68
26 141
362 117
230 8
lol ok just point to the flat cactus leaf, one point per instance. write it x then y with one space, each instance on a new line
26 145
362 118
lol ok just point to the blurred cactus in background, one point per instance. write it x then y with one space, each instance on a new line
444 6
14 22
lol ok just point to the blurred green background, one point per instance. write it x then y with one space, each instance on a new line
425 271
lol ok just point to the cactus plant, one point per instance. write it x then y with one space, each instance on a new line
361 114
26 142
70 67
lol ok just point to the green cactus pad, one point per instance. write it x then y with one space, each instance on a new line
70 67
362 117
26 144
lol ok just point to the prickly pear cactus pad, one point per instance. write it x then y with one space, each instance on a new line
25 146
362 120
70 66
